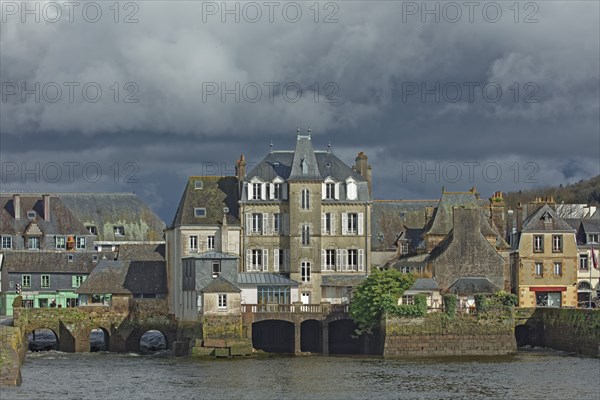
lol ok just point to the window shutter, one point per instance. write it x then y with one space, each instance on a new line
323 191
286 224
276 260
271 190
344 260
333 230
245 190
248 223
263 191
323 261
360 223
338 260
361 260
265 222
73 281
284 190
248 260
344 223
265 260
323 223
336 193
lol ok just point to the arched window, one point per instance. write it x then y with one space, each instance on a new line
584 285
351 192
305 199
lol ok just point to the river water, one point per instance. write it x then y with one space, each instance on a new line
534 374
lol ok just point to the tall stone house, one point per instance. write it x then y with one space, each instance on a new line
545 260
305 214
202 242
50 243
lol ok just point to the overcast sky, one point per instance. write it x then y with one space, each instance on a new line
485 94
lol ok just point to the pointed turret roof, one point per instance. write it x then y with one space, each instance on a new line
304 165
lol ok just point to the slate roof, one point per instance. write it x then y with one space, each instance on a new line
126 277
141 252
442 220
49 262
425 284
534 222
62 219
342 280
217 193
472 285
262 278
106 210
390 217
221 285
212 255
304 152
591 225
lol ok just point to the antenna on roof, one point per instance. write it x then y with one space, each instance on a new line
308 132
329 147
271 147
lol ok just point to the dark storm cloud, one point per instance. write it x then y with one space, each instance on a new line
161 116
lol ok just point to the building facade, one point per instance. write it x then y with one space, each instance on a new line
306 215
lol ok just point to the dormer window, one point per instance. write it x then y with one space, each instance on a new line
200 212
31 215
592 238
198 184
33 243
304 166
119 231
92 229
351 189
547 218
70 257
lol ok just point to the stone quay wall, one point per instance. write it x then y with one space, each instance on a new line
12 355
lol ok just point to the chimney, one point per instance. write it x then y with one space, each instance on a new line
240 168
224 245
46 198
17 206
520 217
466 224
498 213
364 169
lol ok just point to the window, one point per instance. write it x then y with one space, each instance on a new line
45 281
60 242
69 257
330 191
277 191
305 235
80 243
548 299
583 262
193 243
403 248
94 257
30 214
210 242
274 295
557 243
539 269
352 259
216 268
7 242
329 264
328 224
277 228
256 223
538 243
352 224
305 199
592 238
33 243
278 260
77 280
92 229
557 269
256 191
222 304
26 281
199 212
351 192
305 271
198 185
257 260
119 231
408 299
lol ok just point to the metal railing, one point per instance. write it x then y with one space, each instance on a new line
295 308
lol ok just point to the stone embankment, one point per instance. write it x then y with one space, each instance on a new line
12 355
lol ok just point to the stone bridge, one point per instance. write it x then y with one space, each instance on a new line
306 325
123 324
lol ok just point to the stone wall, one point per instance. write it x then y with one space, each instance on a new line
566 329
437 335
12 355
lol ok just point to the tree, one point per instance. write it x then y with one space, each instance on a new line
378 293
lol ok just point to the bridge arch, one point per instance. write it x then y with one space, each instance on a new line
342 338
43 339
153 340
273 335
311 336
99 339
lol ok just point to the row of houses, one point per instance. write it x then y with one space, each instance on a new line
300 226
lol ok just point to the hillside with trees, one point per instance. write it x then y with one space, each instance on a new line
584 191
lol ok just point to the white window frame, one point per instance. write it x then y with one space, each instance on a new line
193 243
200 210
592 238
92 229
216 263
198 184
584 263
538 243
33 240
256 188
403 248
305 199
276 225
80 242
210 242
557 268
305 235
557 243
222 301
45 281
305 271
26 281
7 242
60 242
538 269
119 230
351 189
352 260
257 223
329 259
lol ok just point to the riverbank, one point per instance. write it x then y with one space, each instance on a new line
12 355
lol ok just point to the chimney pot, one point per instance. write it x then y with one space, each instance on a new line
17 206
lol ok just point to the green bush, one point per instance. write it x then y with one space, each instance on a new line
418 309
481 303
17 301
506 299
450 302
